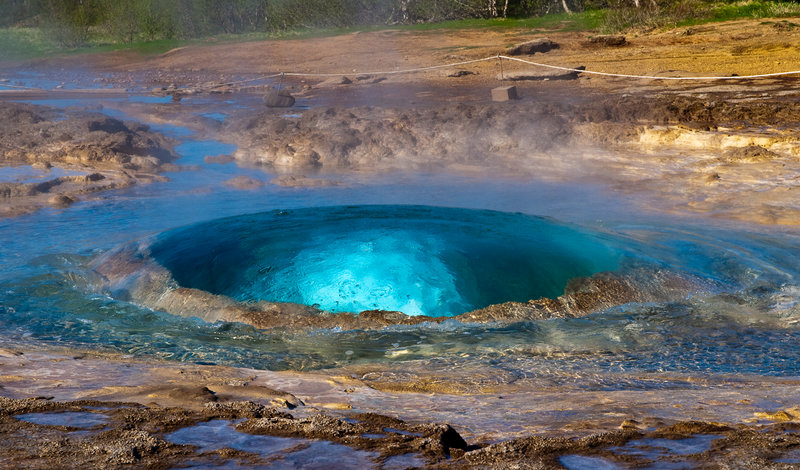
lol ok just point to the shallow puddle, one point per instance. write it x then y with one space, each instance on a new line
658 448
581 462
283 452
791 457
218 434
74 419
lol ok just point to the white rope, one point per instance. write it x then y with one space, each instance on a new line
6 85
650 77
391 72
265 77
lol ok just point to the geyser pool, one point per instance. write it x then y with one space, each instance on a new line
414 259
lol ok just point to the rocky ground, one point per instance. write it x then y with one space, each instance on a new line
716 148
102 153
142 413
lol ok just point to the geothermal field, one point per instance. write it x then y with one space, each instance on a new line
398 267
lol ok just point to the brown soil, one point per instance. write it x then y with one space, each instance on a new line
741 47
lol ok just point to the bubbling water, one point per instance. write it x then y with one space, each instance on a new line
413 259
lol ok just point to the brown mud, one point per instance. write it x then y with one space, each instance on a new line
726 149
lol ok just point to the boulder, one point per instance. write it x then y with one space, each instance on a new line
334 81
542 74
607 41
532 47
279 99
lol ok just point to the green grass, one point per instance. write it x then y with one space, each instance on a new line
682 13
582 21
753 9
33 43
156 47
23 43
27 43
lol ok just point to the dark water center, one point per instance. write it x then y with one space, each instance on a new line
414 259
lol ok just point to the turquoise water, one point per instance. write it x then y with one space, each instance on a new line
368 243
413 259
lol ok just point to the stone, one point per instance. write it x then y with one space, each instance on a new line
60 201
540 74
460 73
504 93
244 183
630 424
221 159
278 99
607 41
335 81
532 47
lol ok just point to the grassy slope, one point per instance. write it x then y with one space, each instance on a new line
27 43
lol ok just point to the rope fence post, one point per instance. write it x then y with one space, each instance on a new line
280 82
500 59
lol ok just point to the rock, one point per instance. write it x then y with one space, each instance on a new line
221 90
460 73
218 159
334 81
109 125
532 47
244 182
299 156
302 181
791 414
60 201
540 74
448 437
504 93
278 99
748 154
607 41
630 424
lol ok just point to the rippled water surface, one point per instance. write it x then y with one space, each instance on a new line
275 243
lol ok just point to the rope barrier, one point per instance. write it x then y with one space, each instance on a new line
6 85
475 61
651 77
390 72
528 62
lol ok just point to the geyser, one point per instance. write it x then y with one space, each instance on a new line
416 260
